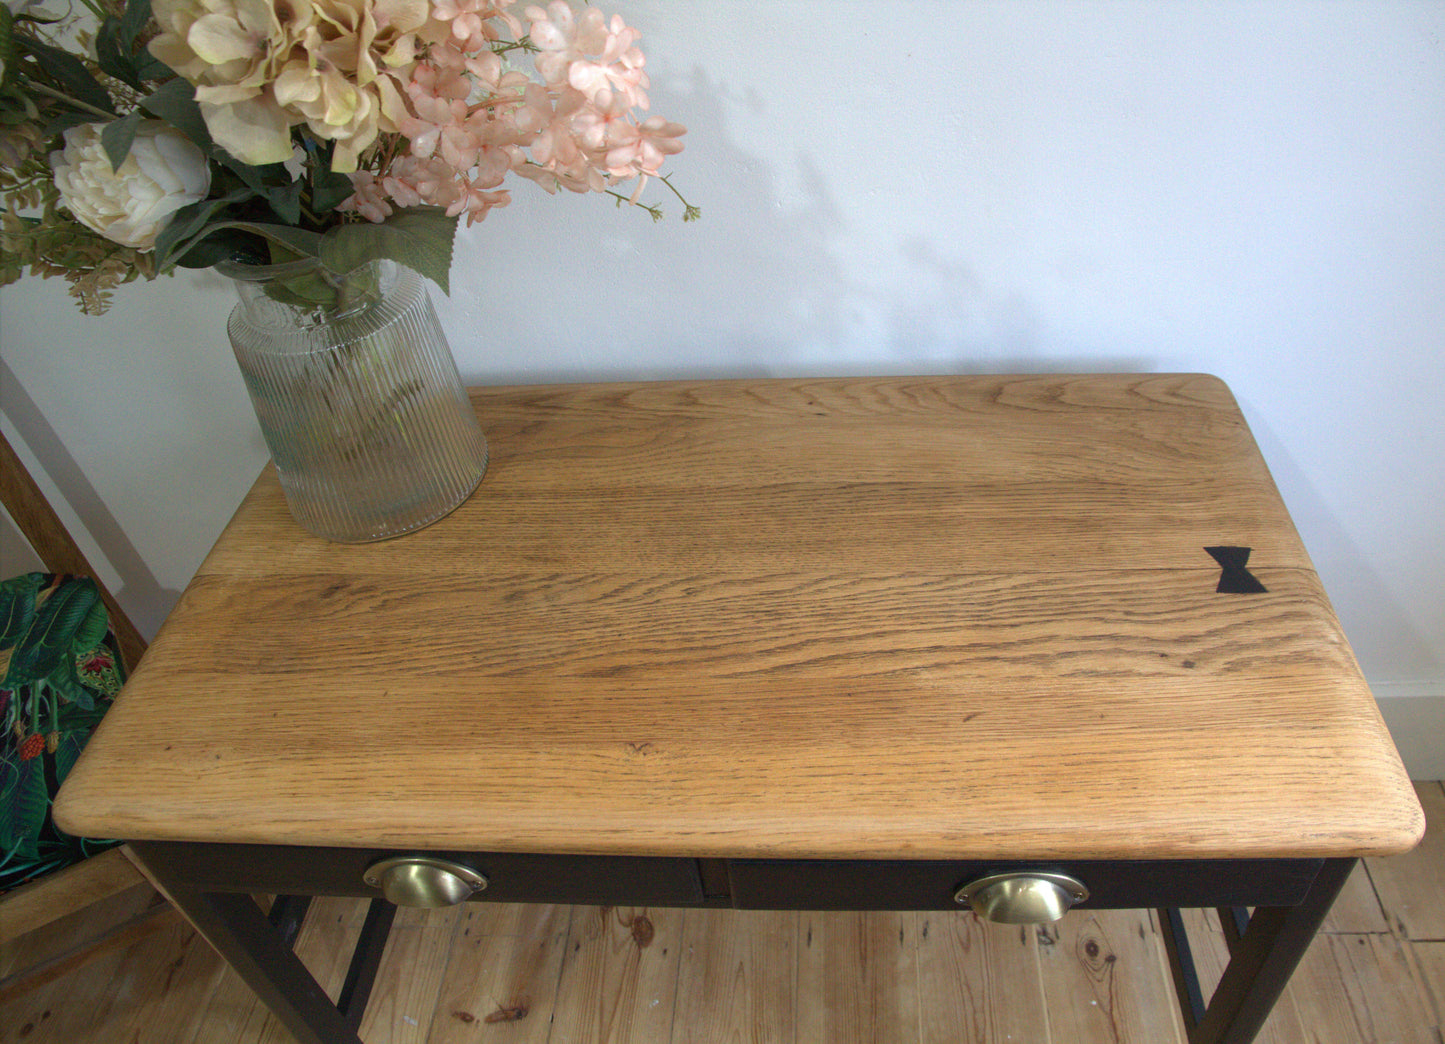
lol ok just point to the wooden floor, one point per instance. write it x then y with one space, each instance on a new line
567 975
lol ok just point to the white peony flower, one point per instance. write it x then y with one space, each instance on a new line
130 206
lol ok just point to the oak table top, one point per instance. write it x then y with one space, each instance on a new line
865 618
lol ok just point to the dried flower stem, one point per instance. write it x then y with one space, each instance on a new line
655 211
96 9
689 212
41 88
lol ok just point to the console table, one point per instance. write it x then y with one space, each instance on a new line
1023 642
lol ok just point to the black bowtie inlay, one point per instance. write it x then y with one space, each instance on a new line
1235 579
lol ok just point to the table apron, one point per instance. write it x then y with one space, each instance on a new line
804 884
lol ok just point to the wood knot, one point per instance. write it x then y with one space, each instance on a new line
506 1014
642 931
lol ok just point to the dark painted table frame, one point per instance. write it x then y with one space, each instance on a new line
213 884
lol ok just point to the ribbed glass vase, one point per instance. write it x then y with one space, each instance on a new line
358 396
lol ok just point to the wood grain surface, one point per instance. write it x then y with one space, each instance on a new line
915 617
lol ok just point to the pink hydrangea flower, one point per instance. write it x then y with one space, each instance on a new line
465 121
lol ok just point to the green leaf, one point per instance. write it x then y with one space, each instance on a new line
285 201
175 102
16 110
120 51
293 243
114 55
68 72
63 120
224 244
8 52
149 67
48 642
92 630
190 224
309 289
133 21
17 606
117 137
67 753
328 189
75 719
418 237
66 681
260 178
24 803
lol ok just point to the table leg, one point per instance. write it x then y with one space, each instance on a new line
246 939
1262 960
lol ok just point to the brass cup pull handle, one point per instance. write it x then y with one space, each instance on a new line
1026 898
423 881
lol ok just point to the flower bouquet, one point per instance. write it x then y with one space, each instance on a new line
141 135
321 153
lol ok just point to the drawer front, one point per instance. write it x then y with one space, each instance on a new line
931 885
761 884
511 877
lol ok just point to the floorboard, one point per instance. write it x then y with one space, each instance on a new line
619 976
979 982
857 978
738 968
514 974
502 976
1105 981
1411 886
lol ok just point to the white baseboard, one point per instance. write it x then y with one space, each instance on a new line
1414 712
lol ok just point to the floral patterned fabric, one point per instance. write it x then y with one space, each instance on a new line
59 670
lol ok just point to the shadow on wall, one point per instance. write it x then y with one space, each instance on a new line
768 283
1391 649
146 601
791 273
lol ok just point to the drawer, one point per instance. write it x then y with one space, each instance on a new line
511 877
809 884
760 884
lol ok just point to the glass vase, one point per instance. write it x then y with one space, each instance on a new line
358 396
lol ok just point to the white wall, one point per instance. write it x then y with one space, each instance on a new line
1255 189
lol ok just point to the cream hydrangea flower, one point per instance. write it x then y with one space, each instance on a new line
163 172
232 50
262 66
337 79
